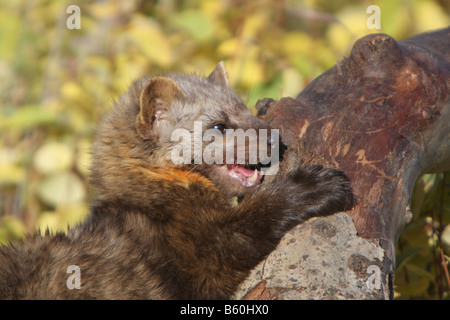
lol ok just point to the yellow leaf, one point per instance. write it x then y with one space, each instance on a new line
84 157
153 43
395 17
255 23
62 218
246 72
352 26
53 157
428 15
228 47
213 8
296 43
71 90
61 189
11 229
129 67
48 220
11 174
292 83
72 215
104 10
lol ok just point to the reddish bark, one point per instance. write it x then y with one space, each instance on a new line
383 116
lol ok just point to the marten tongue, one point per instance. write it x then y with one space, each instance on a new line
247 173
247 177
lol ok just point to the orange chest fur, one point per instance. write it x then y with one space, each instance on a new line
179 177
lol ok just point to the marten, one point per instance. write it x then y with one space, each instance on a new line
165 223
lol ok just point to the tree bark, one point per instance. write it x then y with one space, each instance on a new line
383 116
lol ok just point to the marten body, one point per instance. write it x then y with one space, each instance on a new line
165 230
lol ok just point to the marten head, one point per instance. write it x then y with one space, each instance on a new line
188 123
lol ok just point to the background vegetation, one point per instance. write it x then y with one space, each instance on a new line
55 83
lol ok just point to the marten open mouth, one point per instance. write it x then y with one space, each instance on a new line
248 176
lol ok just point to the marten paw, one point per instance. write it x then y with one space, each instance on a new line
322 191
337 184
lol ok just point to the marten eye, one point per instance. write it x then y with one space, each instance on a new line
220 126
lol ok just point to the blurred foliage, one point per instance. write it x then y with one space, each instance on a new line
419 272
55 83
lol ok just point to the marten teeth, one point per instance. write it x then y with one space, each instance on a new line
254 177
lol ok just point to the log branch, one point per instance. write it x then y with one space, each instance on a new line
383 116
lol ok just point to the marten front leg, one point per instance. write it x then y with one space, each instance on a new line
221 245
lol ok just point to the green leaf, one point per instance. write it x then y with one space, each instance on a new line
10 25
405 256
261 90
421 272
412 289
196 23
26 117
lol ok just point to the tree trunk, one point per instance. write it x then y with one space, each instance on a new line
383 116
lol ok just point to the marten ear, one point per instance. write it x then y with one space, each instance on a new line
219 75
155 101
